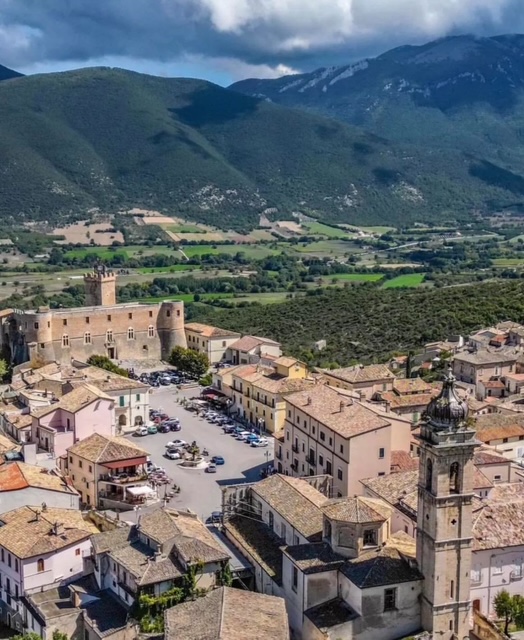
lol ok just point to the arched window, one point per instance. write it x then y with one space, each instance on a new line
87 338
40 566
454 484
109 335
65 340
429 474
130 333
151 331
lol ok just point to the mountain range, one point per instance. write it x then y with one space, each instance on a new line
412 135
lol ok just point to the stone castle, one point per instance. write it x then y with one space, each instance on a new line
129 331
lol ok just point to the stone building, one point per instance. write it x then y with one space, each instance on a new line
130 331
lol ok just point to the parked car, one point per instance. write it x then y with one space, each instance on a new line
175 427
218 460
243 435
252 437
228 428
152 428
211 468
260 442
173 454
141 431
216 517
163 428
176 443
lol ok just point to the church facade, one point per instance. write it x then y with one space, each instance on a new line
129 331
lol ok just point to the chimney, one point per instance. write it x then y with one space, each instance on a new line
341 406
308 400
158 556
44 507
57 528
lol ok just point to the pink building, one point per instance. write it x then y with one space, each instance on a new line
77 415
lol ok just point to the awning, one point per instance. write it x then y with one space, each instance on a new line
140 491
128 462
210 391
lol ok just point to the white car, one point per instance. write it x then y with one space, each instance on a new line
175 443
173 455
141 431
243 435
261 442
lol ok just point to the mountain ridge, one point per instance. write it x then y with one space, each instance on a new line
113 139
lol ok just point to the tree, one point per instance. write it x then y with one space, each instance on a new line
509 608
28 636
103 362
4 368
59 635
189 361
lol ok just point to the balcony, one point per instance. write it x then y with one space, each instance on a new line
311 461
124 478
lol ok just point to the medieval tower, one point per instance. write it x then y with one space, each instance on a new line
100 287
444 524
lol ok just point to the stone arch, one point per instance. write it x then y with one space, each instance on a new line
139 421
122 420
454 480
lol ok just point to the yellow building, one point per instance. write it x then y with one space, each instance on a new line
258 393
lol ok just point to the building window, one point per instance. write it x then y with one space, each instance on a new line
287 435
322 436
137 397
64 322
65 340
381 452
341 448
328 467
370 537
271 519
3 555
150 314
40 565
452 590
90 469
130 333
16 565
454 478
289 414
223 343
80 463
109 335
87 319
295 579
320 459
87 338
151 331
283 531
8 559
109 318
36 325
339 474
77 552
130 316
168 314
122 401
390 599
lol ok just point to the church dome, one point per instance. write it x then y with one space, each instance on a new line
447 411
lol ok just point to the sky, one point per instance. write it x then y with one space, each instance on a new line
228 40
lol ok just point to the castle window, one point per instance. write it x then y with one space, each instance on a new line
42 345
65 340
168 314
370 537
429 474
178 313
150 314
109 335
151 331
36 325
130 316
40 565
87 320
87 338
454 478
109 318
130 333
64 322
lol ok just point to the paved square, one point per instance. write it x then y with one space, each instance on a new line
200 491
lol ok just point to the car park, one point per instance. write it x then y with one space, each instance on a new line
175 427
164 428
211 468
243 435
228 428
218 460
173 454
141 431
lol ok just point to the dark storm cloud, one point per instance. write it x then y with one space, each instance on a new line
299 34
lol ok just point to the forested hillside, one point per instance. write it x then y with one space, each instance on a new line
113 139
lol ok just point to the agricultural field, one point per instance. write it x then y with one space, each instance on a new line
317 228
405 280
252 251
132 250
100 233
322 248
357 277
172 269
508 262
187 297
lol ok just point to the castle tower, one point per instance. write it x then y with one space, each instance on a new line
444 522
171 326
100 287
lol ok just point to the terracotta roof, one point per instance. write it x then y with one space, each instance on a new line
100 449
343 415
108 381
21 421
411 385
146 566
386 565
358 510
498 521
484 356
480 481
414 400
331 614
402 461
6 444
488 434
246 343
30 531
18 475
208 331
314 558
476 405
282 384
360 373
494 384
228 614
296 501
483 457
75 400
394 488
286 361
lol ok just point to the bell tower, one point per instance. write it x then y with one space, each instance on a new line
100 287
444 521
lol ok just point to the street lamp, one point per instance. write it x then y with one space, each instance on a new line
260 423
267 455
